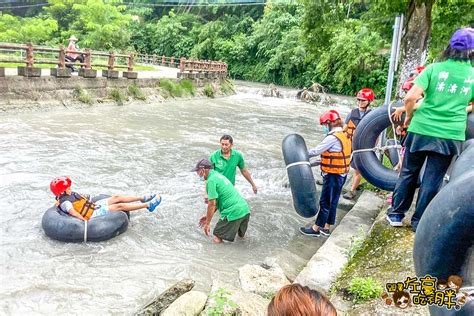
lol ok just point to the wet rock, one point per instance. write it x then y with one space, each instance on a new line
246 304
262 280
290 263
188 304
162 301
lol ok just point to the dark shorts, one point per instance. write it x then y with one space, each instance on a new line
227 230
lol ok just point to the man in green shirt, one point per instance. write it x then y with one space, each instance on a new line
226 160
222 195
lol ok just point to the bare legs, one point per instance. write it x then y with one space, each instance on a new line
124 203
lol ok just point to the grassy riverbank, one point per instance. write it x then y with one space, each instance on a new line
386 255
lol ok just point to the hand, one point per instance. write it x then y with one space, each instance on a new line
397 115
407 120
254 188
202 221
207 229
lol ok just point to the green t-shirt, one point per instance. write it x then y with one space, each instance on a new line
228 167
229 202
448 88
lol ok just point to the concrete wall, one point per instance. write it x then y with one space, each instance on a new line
21 93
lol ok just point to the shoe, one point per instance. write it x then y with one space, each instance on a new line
309 231
395 220
325 232
319 182
154 203
150 197
350 195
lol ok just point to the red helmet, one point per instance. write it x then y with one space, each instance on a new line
59 184
366 94
408 84
331 115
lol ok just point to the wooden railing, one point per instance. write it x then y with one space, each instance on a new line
31 55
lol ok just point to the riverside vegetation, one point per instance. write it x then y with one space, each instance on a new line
344 45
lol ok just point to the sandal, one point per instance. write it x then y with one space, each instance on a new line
150 197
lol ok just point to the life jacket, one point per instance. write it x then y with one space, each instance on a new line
354 120
338 162
80 204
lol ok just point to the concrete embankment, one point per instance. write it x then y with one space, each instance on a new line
20 93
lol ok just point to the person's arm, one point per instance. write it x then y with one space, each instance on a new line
410 101
246 173
206 220
327 143
74 213
345 127
469 108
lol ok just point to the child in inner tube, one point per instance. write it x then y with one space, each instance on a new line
335 151
82 207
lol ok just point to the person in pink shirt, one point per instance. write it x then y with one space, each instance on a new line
73 57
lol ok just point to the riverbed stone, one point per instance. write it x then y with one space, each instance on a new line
2 72
162 301
247 304
188 304
263 280
290 263
323 268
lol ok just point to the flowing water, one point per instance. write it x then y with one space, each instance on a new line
137 149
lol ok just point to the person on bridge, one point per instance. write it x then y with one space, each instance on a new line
226 160
234 210
335 151
71 56
82 207
364 98
437 129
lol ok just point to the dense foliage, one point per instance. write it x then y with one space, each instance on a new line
343 45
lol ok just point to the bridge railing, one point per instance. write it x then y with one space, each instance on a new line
31 55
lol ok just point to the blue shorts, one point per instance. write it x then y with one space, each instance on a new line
101 208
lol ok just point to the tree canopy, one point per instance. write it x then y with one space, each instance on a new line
341 44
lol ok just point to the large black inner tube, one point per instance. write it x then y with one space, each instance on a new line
444 238
365 137
470 126
464 164
66 228
300 176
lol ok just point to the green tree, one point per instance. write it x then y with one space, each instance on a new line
26 30
101 25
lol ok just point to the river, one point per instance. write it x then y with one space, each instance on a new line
137 149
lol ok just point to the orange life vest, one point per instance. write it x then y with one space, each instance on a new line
354 120
338 162
80 204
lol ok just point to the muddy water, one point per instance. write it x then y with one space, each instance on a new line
131 150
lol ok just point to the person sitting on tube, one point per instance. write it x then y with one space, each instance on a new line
82 207
335 151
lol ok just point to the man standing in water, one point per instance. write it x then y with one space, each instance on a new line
226 160
234 210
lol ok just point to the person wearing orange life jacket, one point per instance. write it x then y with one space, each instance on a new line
82 207
335 151
364 98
